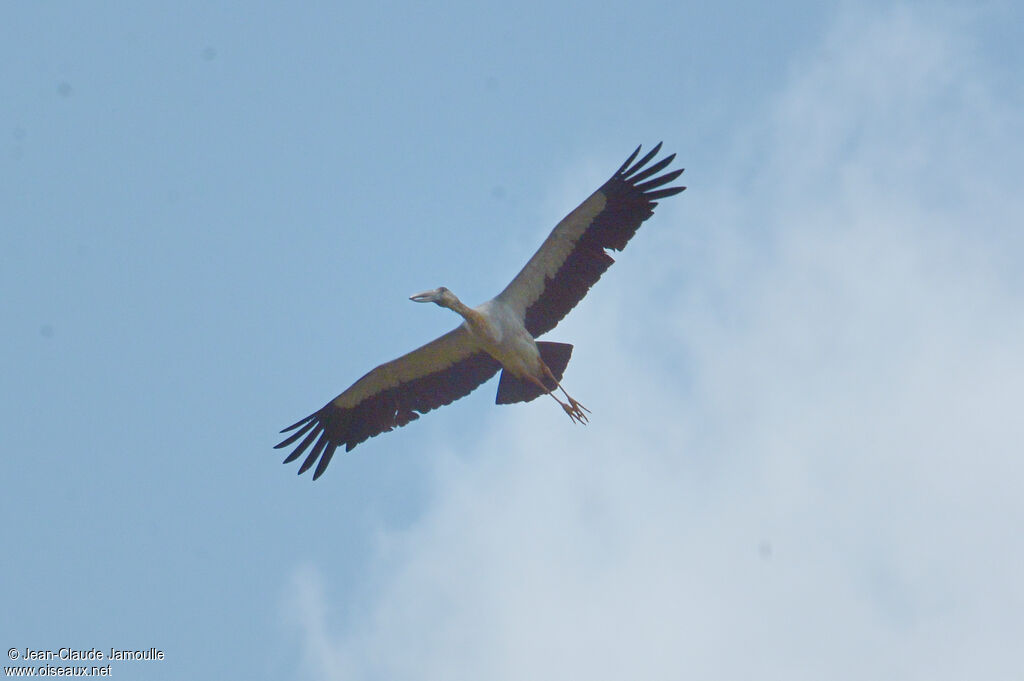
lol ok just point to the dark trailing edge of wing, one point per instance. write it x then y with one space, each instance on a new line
630 201
333 426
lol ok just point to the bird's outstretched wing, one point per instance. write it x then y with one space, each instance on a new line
573 257
390 396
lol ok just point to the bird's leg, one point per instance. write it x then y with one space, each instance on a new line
574 413
577 408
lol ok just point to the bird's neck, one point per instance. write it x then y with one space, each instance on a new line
460 307
469 314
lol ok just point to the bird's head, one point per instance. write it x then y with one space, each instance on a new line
441 296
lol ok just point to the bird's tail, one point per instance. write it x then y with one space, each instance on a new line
512 389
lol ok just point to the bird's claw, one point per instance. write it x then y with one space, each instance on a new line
575 412
577 406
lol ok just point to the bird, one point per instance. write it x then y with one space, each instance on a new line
500 334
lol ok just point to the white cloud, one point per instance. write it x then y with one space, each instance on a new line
817 472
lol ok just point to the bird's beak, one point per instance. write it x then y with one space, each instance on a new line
425 297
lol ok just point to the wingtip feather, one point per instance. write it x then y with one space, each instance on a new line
299 423
662 193
642 162
314 454
629 160
295 436
324 460
658 181
297 452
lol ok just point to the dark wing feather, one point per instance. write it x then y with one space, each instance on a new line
574 256
391 396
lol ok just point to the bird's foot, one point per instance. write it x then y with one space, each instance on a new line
577 406
575 411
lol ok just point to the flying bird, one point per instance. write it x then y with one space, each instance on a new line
499 334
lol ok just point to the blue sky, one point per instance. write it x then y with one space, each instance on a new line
805 371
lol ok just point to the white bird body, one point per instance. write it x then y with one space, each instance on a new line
498 335
501 333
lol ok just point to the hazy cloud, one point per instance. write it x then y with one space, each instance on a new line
808 462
